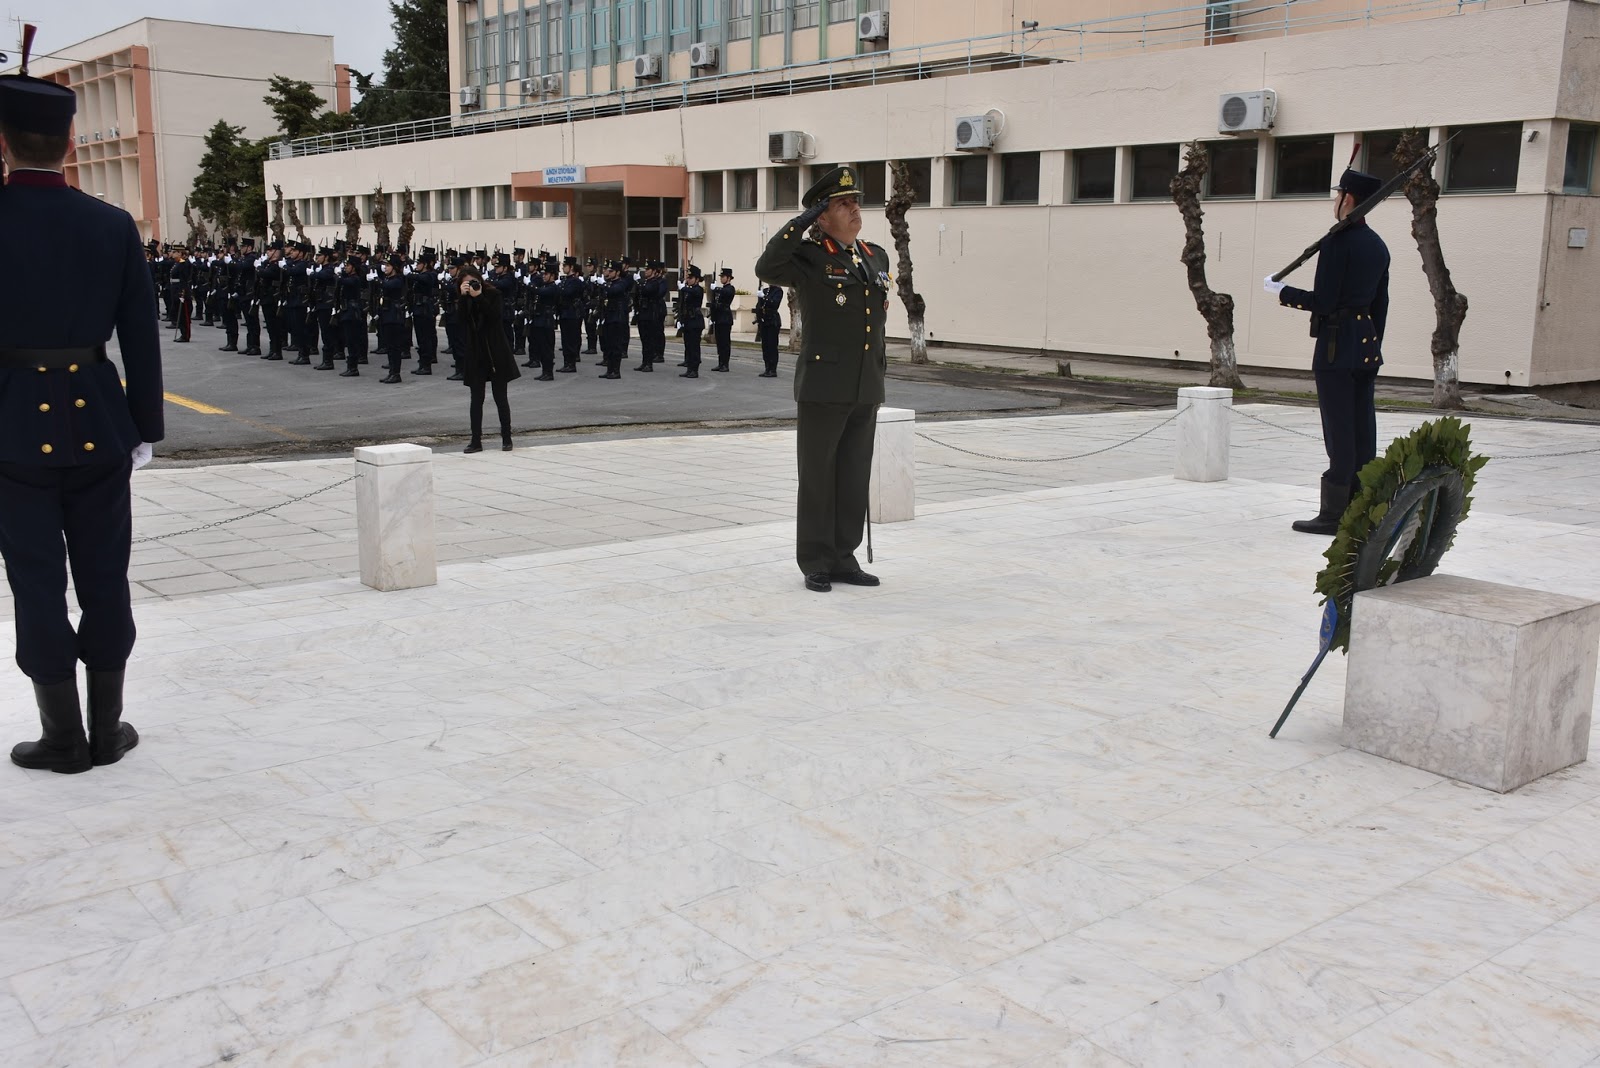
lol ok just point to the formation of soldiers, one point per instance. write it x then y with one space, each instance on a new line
328 302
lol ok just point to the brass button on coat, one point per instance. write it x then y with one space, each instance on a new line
79 403
46 448
72 367
88 446
44 407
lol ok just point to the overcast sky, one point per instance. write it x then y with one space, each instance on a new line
360 28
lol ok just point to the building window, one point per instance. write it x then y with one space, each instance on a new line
921 174
491 51
1305 167
1232 170
486 202
711 191
1484 158
508 207
739 21
464 205
969 180
785 188
512 45
744 190
1377 153
445 204
708 14
1219 18
1019 178
1580 159
771 16
366 207
558 210
472 41
601 35
805 14
318 207
1154 167
424 201
1094 175
874 188
841 10
533 209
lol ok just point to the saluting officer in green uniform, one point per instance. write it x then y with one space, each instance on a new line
842 284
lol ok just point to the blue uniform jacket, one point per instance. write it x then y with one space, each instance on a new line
62 418
1348 302
574 292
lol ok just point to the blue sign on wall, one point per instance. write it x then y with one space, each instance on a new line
566 174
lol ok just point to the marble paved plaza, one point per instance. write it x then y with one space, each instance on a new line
632 797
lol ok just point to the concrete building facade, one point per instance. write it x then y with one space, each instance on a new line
1059 235
149 91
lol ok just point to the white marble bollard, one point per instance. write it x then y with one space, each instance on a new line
394 516
1489 684
1203 414
892 493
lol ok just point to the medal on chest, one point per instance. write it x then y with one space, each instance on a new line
839 299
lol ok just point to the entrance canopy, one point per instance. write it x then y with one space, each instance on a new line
630 179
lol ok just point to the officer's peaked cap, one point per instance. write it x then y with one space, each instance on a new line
1359 185
34 105
839 182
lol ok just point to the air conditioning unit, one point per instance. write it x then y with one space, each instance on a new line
97 136
552 85
691 228
786 146
702 55
532 86
646 66
873 26
468 95
974 133
115 133
1247 112
83 139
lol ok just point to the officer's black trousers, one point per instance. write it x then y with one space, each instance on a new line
769 346
252 326
51 517
835 459
542 346
614 344
571 340
427 338
1349 422
272 312
691 342
724 335
294 325
354 328
519 334
230 324
392 337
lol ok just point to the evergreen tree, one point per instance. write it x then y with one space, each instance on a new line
416 71
220 181
300 111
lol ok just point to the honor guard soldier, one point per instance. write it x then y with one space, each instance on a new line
1349 306
323 297
351 295
614 318
450 309
249 302
594 302
505 281
544 303
199 282
70 436
650 304
574 302
769 321
691 301
180 291
425 310
390 299
297 298
229 289
842 284
519 317
722 316
269 291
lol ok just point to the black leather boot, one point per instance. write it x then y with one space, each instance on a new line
62 746
109 737
475 445
1335 499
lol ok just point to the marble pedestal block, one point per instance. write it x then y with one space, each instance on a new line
1203 427
892 494
1489 684
394 516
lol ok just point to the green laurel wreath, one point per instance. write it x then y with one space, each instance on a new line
1444 443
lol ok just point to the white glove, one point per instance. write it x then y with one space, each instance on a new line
141 454
1269 286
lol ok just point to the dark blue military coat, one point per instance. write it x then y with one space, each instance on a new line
60 418
1349 301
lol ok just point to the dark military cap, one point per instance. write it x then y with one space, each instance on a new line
307 248
402 249
549 267
726 272
248 242
151 246
481 254
339 245
34 105
462 260
592 262
839 182
324 251
427 253
278 245
655 265
519 252
397 261
569 261
362 250
693 271
1359 185
502 259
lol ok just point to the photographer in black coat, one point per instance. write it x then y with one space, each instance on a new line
486 358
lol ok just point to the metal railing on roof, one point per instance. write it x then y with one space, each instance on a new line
1078 42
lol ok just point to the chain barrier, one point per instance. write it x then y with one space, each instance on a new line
1500 458
1052 459
246 515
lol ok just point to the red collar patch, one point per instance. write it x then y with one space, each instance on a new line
827 243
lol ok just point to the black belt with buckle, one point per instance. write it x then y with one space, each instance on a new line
52 359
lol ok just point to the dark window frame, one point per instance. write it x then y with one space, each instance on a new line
710 180
967 166
1313 185
1098 155
1010 179
1250 147
1144 171
1586 132
1472 139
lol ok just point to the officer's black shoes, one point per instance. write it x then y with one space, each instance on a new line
720 367
454 378
62 747
254 350
645 367
300 361
854 578
228 348
109 737
590 351
422 369
693 372
390 379
181 340
361 359
767 374
505 445
531 363
684 364
474 446
325 365
1335 499
349 372
273 356
818 582
612 374
546 377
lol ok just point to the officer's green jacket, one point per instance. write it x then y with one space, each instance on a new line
844 307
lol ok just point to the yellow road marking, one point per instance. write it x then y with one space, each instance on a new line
195 406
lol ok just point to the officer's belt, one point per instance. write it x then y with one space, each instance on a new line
1350 313
54 359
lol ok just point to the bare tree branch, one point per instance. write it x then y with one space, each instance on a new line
1215 308
1449 306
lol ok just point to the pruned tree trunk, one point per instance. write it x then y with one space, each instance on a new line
276 225
1215 308
408 218
1449 306
380 219
294 221
795 322
197 231
352 222
900 198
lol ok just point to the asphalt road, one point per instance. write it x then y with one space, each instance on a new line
223 403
